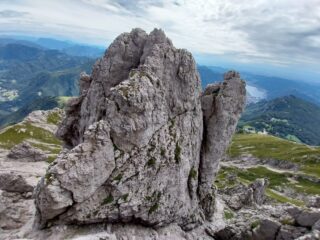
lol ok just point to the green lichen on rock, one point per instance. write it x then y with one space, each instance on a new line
228 215
118 177
177 153
108 200
193 173
151 162
154 208
48 177
255 224
162 152
125 197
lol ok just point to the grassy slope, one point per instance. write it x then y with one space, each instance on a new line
287 117
269 147
266 147
37 136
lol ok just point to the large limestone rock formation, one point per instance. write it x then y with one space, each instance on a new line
143 144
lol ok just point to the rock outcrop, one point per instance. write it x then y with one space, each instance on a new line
26 152
12 182
241 195
143 143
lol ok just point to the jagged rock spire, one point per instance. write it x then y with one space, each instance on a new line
143 143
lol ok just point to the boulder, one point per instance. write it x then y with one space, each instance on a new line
308 218
12 182
232 233
314 202
241 195
314 235
143 143
26 152
316 226
259 188
15 211
288 232
267 230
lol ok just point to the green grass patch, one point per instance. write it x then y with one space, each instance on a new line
266 147
307 186
50 159
56 149
283 199
16 134
311 169
275 179
53 118
63 100
247 176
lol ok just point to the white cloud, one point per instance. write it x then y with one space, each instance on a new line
278 32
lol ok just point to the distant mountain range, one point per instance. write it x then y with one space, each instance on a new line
265 87
67 47
288 117
28 72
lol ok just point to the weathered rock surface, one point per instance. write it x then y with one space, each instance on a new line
241 195
316 226
267 230
25 152
12 182
221 110
259 188
143 143
288 232
15 210
39 118
308 218
314 202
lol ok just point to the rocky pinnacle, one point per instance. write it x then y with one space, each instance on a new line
142 141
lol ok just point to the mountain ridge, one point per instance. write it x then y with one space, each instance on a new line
289 117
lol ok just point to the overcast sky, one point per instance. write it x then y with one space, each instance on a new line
281 33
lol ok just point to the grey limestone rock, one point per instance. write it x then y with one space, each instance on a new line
308 218
267 230
25 152
304 217
259 187
316 226
222 105
15 211
143 144
288 232
241 195
12 182
314 202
